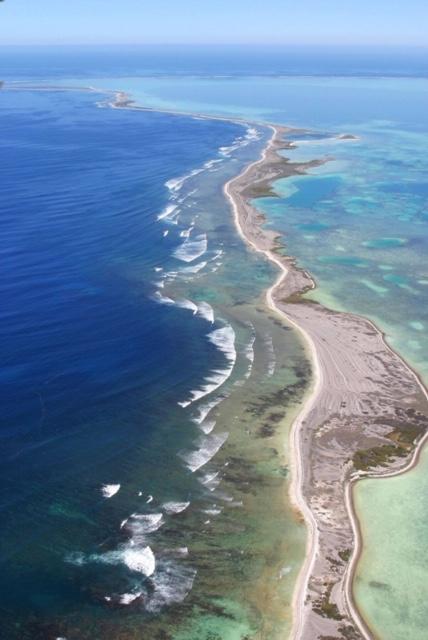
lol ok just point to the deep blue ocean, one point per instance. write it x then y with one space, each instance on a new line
215 61
139 364
92 365
133 354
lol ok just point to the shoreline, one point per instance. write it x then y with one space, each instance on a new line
243 209
122 100
296 282
295 453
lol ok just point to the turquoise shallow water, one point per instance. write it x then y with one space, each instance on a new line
368 208
391 581
366 212
146 390
359 224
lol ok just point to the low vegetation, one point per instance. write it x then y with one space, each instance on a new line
380 456
323 607
345 554
403 437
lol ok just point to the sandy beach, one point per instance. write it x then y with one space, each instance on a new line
366 415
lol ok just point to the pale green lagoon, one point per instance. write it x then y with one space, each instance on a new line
391 580
359 224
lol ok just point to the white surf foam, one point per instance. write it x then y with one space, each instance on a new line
217 255
208 446
206 311
194 268
205 409
271 365
213 512
110 490
140 560
188 304
240 141
136 558
175 184
158 297
249 349
226 152
207 426
128 598
211 163
224 340
249 353
141 524
224 496
186 232
182 551
211 480
191 249
183 304
175 507
168 211
213 382
252 134
170 275
171 585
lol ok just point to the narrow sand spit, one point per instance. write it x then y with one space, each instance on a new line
367 414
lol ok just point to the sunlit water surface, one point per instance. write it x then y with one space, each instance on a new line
358 223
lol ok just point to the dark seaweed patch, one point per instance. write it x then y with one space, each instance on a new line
380 456
266 431
345 554
324 607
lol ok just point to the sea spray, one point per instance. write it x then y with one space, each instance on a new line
224 340
191 249
207 447
110 490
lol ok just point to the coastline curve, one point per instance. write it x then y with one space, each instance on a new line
332 612
313 612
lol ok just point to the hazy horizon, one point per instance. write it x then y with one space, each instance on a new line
189 22
219 46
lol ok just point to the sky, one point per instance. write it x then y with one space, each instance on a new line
384 22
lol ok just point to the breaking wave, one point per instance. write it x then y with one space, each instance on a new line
206 311
110 490
190 249
208 446
141 560
224 340
175 507
271 365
